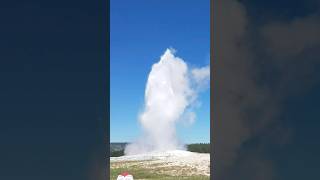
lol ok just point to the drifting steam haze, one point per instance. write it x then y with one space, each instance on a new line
171 89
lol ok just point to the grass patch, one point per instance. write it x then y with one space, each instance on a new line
151 174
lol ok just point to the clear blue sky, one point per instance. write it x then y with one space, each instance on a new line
140 31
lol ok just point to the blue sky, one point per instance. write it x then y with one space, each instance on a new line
140 32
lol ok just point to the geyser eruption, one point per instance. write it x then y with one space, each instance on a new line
168 94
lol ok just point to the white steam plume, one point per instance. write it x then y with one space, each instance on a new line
168 94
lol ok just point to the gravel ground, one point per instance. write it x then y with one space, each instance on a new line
175 162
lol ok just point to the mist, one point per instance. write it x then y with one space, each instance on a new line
172 87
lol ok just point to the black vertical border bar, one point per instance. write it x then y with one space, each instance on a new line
107 132
211 93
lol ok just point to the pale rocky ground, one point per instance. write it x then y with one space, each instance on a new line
175 162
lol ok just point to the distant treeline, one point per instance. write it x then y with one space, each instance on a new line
117 153
198 147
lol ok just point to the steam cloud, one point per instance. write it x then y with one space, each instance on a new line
170 91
